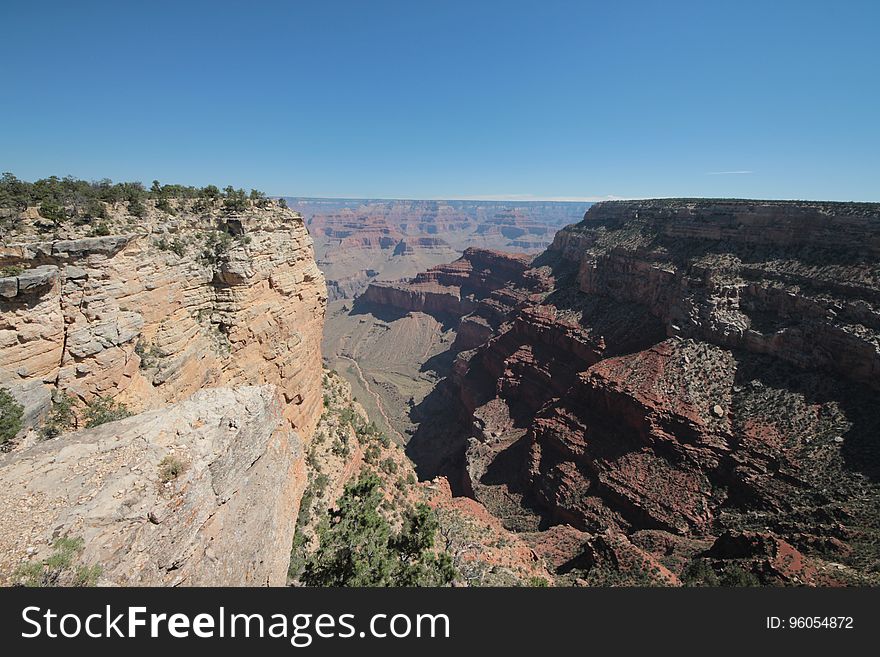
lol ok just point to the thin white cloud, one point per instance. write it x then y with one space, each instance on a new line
532 197
729 173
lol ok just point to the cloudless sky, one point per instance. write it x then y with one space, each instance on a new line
449 99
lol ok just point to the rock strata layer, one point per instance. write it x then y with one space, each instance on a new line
178 304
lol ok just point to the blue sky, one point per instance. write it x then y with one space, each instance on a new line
448 99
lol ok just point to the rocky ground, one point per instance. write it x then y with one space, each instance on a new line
195 494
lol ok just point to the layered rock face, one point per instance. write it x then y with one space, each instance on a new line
150 317
451 289
192 310
698 378
227 518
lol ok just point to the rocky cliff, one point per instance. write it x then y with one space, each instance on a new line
451 289
161 309
698 378
173 305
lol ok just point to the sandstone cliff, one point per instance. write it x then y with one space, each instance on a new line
171 306
689 376
190 309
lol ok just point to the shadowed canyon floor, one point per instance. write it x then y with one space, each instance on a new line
392 360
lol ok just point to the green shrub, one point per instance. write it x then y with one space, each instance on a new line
372 454
103 410
340 446
210 193
699 573
11 270
95 210
734 575
53 212
216 247
87 575
137 208
11 413
14 193
357 546
61 418
59 568
236 200
148 354
165 206
321 483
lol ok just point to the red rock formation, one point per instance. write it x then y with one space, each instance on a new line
451 289
687 368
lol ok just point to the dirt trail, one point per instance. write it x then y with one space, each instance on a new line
366 384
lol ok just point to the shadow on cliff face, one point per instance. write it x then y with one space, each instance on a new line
437 447
562 269
505 491
815 255
440 364
385 313
379 311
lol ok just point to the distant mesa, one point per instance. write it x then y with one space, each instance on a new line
411 245
454 288
400 238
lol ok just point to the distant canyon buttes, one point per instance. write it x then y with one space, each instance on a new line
358 241
659 385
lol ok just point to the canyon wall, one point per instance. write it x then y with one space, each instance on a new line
362 240
450 289
693 381
153 314
150 317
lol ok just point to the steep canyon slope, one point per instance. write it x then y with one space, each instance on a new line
674 391
208 323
